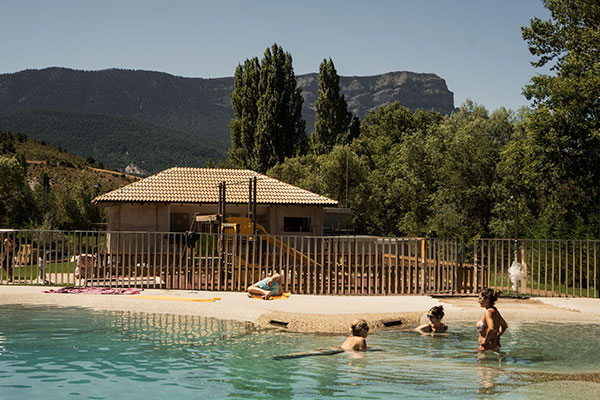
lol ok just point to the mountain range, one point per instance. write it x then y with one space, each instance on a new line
146 121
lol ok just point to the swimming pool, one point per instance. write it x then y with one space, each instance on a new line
75 353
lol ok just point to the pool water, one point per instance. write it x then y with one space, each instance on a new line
64 353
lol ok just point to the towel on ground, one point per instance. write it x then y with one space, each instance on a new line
282 296
95 290
175 298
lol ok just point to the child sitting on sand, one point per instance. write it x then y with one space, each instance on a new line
435 325
358 340
267 288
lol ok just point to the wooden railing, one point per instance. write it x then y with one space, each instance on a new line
339 265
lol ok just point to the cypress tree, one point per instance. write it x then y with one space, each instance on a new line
268 106
244 99
332 116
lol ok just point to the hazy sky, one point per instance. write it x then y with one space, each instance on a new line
475 45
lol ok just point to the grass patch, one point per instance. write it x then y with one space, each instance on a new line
502 282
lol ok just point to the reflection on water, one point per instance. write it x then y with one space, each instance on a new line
487 378
175 330
48 351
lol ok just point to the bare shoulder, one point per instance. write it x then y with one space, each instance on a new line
491 312
354 343
361 343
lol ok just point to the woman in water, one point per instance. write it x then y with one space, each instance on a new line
435 325
358 340
492 325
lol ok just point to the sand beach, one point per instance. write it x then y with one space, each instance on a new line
310 313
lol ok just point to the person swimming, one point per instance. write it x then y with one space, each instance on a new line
435 325
492 325
357 341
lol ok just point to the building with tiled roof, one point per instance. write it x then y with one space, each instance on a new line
169 200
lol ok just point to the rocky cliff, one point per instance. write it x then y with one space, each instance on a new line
105 113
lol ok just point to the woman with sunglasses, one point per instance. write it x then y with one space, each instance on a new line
435 325
358 340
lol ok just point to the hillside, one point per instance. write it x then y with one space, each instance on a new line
120 143
123 116
64 169
189 105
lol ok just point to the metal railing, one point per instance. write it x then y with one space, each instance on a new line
553 267
337 265
340 265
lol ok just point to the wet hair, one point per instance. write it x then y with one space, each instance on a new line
358 325
436 311
490 295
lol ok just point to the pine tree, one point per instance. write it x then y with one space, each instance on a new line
244 99
332 116
268 106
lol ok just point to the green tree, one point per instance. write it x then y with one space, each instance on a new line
326 174
16 201
392 143
413 173
7 143
332 116
268 106
244 100
431 175
45 201
560 153
20 157
353 131
465 160
76 207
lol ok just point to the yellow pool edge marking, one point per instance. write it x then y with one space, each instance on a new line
212 300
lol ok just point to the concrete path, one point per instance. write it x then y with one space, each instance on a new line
584 305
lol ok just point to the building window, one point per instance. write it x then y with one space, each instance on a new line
180 222
296 224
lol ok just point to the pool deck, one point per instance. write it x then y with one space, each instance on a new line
309 313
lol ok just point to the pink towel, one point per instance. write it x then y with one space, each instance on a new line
95 290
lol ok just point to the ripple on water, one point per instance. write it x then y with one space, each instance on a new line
81 351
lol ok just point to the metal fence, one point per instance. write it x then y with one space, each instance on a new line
342 265
338 265
553 267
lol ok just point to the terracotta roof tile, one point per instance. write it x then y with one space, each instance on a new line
201 185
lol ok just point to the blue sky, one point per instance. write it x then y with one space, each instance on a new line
476 46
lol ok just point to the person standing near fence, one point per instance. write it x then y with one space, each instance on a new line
9 250
43 259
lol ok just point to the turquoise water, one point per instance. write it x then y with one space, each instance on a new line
64 353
